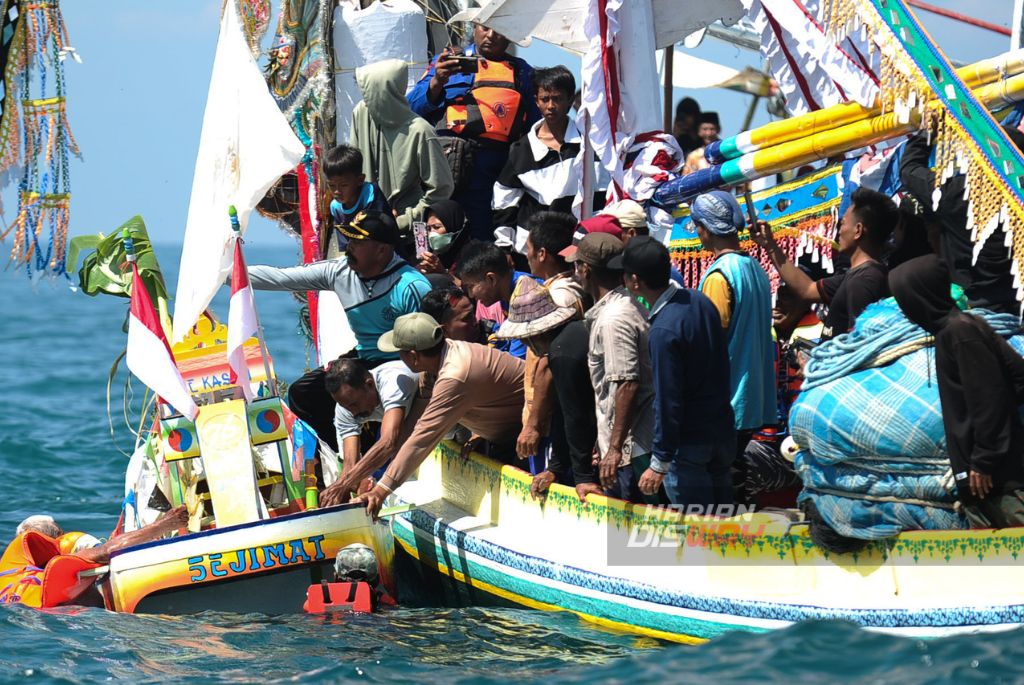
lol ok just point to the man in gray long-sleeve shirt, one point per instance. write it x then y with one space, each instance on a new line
375 288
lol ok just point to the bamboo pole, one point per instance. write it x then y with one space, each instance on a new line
824 144
859 134
974 76
669 53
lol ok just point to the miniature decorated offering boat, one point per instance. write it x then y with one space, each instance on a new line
257 540
655 572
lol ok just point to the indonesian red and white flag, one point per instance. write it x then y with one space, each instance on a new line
241 323
149 355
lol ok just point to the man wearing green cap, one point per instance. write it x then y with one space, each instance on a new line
464 383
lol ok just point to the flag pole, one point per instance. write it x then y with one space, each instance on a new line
236 227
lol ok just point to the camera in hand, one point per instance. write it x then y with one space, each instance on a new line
468 64
799 346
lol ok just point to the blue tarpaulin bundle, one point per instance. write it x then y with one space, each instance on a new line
873 453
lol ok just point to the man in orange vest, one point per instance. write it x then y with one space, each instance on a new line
484 97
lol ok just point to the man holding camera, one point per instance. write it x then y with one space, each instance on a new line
483 98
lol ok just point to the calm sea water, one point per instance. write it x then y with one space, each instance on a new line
57 456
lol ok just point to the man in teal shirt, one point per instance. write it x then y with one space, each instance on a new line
739 288
375 287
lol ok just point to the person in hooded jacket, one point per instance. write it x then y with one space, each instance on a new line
981 385
401 153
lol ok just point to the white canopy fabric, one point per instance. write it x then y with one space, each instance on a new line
691 72
561 22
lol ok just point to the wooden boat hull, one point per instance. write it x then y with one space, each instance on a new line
263 567
700 577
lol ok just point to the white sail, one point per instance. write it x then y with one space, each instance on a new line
245 146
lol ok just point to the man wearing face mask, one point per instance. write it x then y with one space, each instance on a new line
483 103
375 287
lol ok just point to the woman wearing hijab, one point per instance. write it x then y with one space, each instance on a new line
981 384
446 236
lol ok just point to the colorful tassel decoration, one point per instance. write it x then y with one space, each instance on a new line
35 137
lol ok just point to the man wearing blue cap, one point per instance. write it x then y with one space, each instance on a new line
739 288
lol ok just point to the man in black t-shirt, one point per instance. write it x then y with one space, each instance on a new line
863 234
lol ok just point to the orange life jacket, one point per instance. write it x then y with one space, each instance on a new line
324 597
36 572
491 109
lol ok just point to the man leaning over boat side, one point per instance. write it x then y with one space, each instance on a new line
381 395
463 383
620 369
375 287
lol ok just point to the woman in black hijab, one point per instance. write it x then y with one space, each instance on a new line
981 384
446 236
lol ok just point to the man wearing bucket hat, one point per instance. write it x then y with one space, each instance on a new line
463 383
537 319
620 367
549 234
739 288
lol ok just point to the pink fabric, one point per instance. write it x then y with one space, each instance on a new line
492 313
601 223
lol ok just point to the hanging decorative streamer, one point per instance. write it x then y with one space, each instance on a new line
299 69
802 216
968 139
41 143
8 31
255 17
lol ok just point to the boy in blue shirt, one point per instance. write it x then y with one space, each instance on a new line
350 191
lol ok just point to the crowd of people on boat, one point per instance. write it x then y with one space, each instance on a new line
486 313
573 348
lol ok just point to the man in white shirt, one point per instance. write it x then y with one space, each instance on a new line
383 394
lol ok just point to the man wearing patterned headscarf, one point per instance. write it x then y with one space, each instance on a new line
739 288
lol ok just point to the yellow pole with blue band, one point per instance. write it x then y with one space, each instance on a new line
822 145
777 132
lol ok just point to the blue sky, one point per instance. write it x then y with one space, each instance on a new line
136 102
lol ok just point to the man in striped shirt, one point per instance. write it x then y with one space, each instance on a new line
540 173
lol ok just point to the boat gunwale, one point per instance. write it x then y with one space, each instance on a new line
238 526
